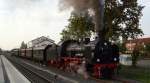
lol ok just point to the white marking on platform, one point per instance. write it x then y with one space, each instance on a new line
1 72
13 74
50 72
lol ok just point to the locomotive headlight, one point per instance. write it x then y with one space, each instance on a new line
105 44
83 62
98 60
115 59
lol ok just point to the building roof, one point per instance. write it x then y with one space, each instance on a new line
42 38
40 41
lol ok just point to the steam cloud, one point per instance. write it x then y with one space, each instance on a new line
79 6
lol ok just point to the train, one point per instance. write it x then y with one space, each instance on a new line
98 59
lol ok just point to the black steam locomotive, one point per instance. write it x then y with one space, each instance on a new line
100 58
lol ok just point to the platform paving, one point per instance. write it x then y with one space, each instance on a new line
14 76
1 72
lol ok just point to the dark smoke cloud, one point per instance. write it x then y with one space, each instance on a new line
79 6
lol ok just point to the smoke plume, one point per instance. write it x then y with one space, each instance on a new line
79 6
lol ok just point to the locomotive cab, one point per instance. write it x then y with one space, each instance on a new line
74 50
70 48
70 54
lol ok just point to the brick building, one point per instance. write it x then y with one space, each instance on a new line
130 44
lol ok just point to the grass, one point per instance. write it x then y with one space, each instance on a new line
135 73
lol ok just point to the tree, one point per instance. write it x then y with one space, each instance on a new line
23 45
121 19
80 26
146 50
122 47
135 54
147 47
1 51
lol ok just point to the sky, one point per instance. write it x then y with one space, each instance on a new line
145 20
24 20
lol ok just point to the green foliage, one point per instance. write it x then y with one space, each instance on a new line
1 51
146 51
135 54
147 47
80 26
122 47
121 19
23 45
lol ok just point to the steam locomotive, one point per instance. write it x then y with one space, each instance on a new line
100 58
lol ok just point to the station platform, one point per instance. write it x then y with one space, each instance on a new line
9 74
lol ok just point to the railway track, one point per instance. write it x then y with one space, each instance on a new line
27 68
30 74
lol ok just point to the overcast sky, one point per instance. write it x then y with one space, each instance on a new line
145 21
24 20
